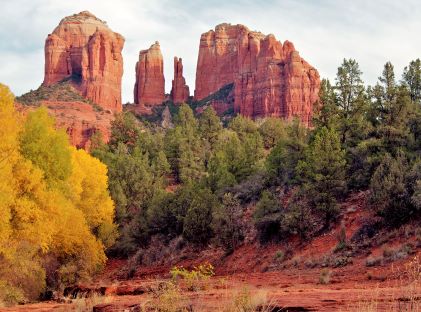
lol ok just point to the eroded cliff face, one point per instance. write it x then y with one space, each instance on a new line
84 50
270 78
149 89
180 90
82 78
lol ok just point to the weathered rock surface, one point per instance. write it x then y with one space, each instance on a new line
149 89
180 91
80 120
270 78
83 49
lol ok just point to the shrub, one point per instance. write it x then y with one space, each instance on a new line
268 217
198 220
279 256
248 301
299 218
272 131
373 261
169 299
10 295
389 194
250 189
228 223
61 91
87 303
342 243
324 277
194 278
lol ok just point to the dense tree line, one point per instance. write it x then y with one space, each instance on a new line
195 179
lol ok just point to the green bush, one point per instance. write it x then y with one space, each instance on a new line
268 217
197 227
388 192
10 295
299 217
272 131
228 223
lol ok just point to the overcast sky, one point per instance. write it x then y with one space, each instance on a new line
323 31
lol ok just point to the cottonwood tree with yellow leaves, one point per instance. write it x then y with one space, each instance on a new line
56 213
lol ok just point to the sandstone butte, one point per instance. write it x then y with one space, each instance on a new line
82 48
270 78
149 89
85 54
180 91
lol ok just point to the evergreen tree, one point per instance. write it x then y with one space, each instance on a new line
184 149
388 192
197 227
326 109
209 125
282 161
392 105
125 129
219 176
227 222
412 80
324 172
351 102
299 218
272 131
242 125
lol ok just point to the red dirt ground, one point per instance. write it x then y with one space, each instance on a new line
292 285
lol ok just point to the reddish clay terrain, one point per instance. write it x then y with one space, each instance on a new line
311 277
79 117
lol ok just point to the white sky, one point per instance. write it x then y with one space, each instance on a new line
324 31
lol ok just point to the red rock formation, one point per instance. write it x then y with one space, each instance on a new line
82 48
180 91
149 88
270 79
79 119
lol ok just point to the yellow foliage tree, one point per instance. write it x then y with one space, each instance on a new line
89 193
9 130
54 204
46 147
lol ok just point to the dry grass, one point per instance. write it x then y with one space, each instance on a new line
168 298
406 299
324 277
87 304
246 300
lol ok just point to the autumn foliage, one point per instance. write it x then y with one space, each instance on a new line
56 212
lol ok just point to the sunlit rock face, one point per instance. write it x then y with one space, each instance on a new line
180 90
270 78
149 88
83 49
